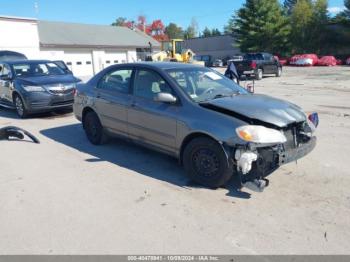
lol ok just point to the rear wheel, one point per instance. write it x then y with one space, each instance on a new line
259 74
206 163
21 110
93 129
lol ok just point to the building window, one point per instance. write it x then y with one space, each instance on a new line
69 63
108 62
88 62
79 63
116 61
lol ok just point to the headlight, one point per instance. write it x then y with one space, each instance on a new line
260 134
33 88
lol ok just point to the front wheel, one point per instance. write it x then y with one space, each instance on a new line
21 110
206 163
93 129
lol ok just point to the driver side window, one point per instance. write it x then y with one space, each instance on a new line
149 83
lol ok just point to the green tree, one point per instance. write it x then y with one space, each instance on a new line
120 21
215 32
319 29
289 5
309 20
174 31
206 32
261 26
192 29
301 19
347 9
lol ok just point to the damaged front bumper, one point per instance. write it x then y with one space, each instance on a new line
256 163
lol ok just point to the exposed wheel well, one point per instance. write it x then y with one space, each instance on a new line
85 111
14 94
189 138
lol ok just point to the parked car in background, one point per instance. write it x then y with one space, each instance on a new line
63 66
204 58
212 125
218 63
11 56
234 58
258 65
32 86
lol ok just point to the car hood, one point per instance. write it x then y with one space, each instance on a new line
48 80
258 109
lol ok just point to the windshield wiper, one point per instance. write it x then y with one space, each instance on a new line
225 95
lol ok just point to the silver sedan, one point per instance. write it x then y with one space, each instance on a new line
213 126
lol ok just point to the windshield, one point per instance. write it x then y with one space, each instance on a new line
31 69
203 84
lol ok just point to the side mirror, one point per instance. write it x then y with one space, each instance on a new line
6 77
165 98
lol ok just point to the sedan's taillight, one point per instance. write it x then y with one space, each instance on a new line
253 65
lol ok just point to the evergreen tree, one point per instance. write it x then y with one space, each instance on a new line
347 9
215 32
206 32
261 26
120 21
173 31
289 5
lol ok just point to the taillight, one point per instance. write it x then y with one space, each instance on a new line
253 65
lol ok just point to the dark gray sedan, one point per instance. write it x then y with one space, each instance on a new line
213 126
32 86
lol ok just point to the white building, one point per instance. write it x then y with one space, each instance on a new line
86 49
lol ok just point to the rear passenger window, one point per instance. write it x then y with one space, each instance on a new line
118 80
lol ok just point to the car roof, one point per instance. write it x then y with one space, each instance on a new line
163 65
25 61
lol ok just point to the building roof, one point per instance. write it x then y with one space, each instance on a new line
53 34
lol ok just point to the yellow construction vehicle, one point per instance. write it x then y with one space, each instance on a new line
172 51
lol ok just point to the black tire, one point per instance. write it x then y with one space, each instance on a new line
259 74
93 129
279 72
21 109
206 163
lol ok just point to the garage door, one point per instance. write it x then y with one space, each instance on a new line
111 58
80 63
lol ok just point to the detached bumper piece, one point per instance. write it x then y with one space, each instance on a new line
12 132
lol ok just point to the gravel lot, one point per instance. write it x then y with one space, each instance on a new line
66 196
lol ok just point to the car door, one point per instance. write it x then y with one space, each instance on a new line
5 84
269 64
151 122
112 98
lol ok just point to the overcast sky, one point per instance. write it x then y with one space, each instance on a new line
213 13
